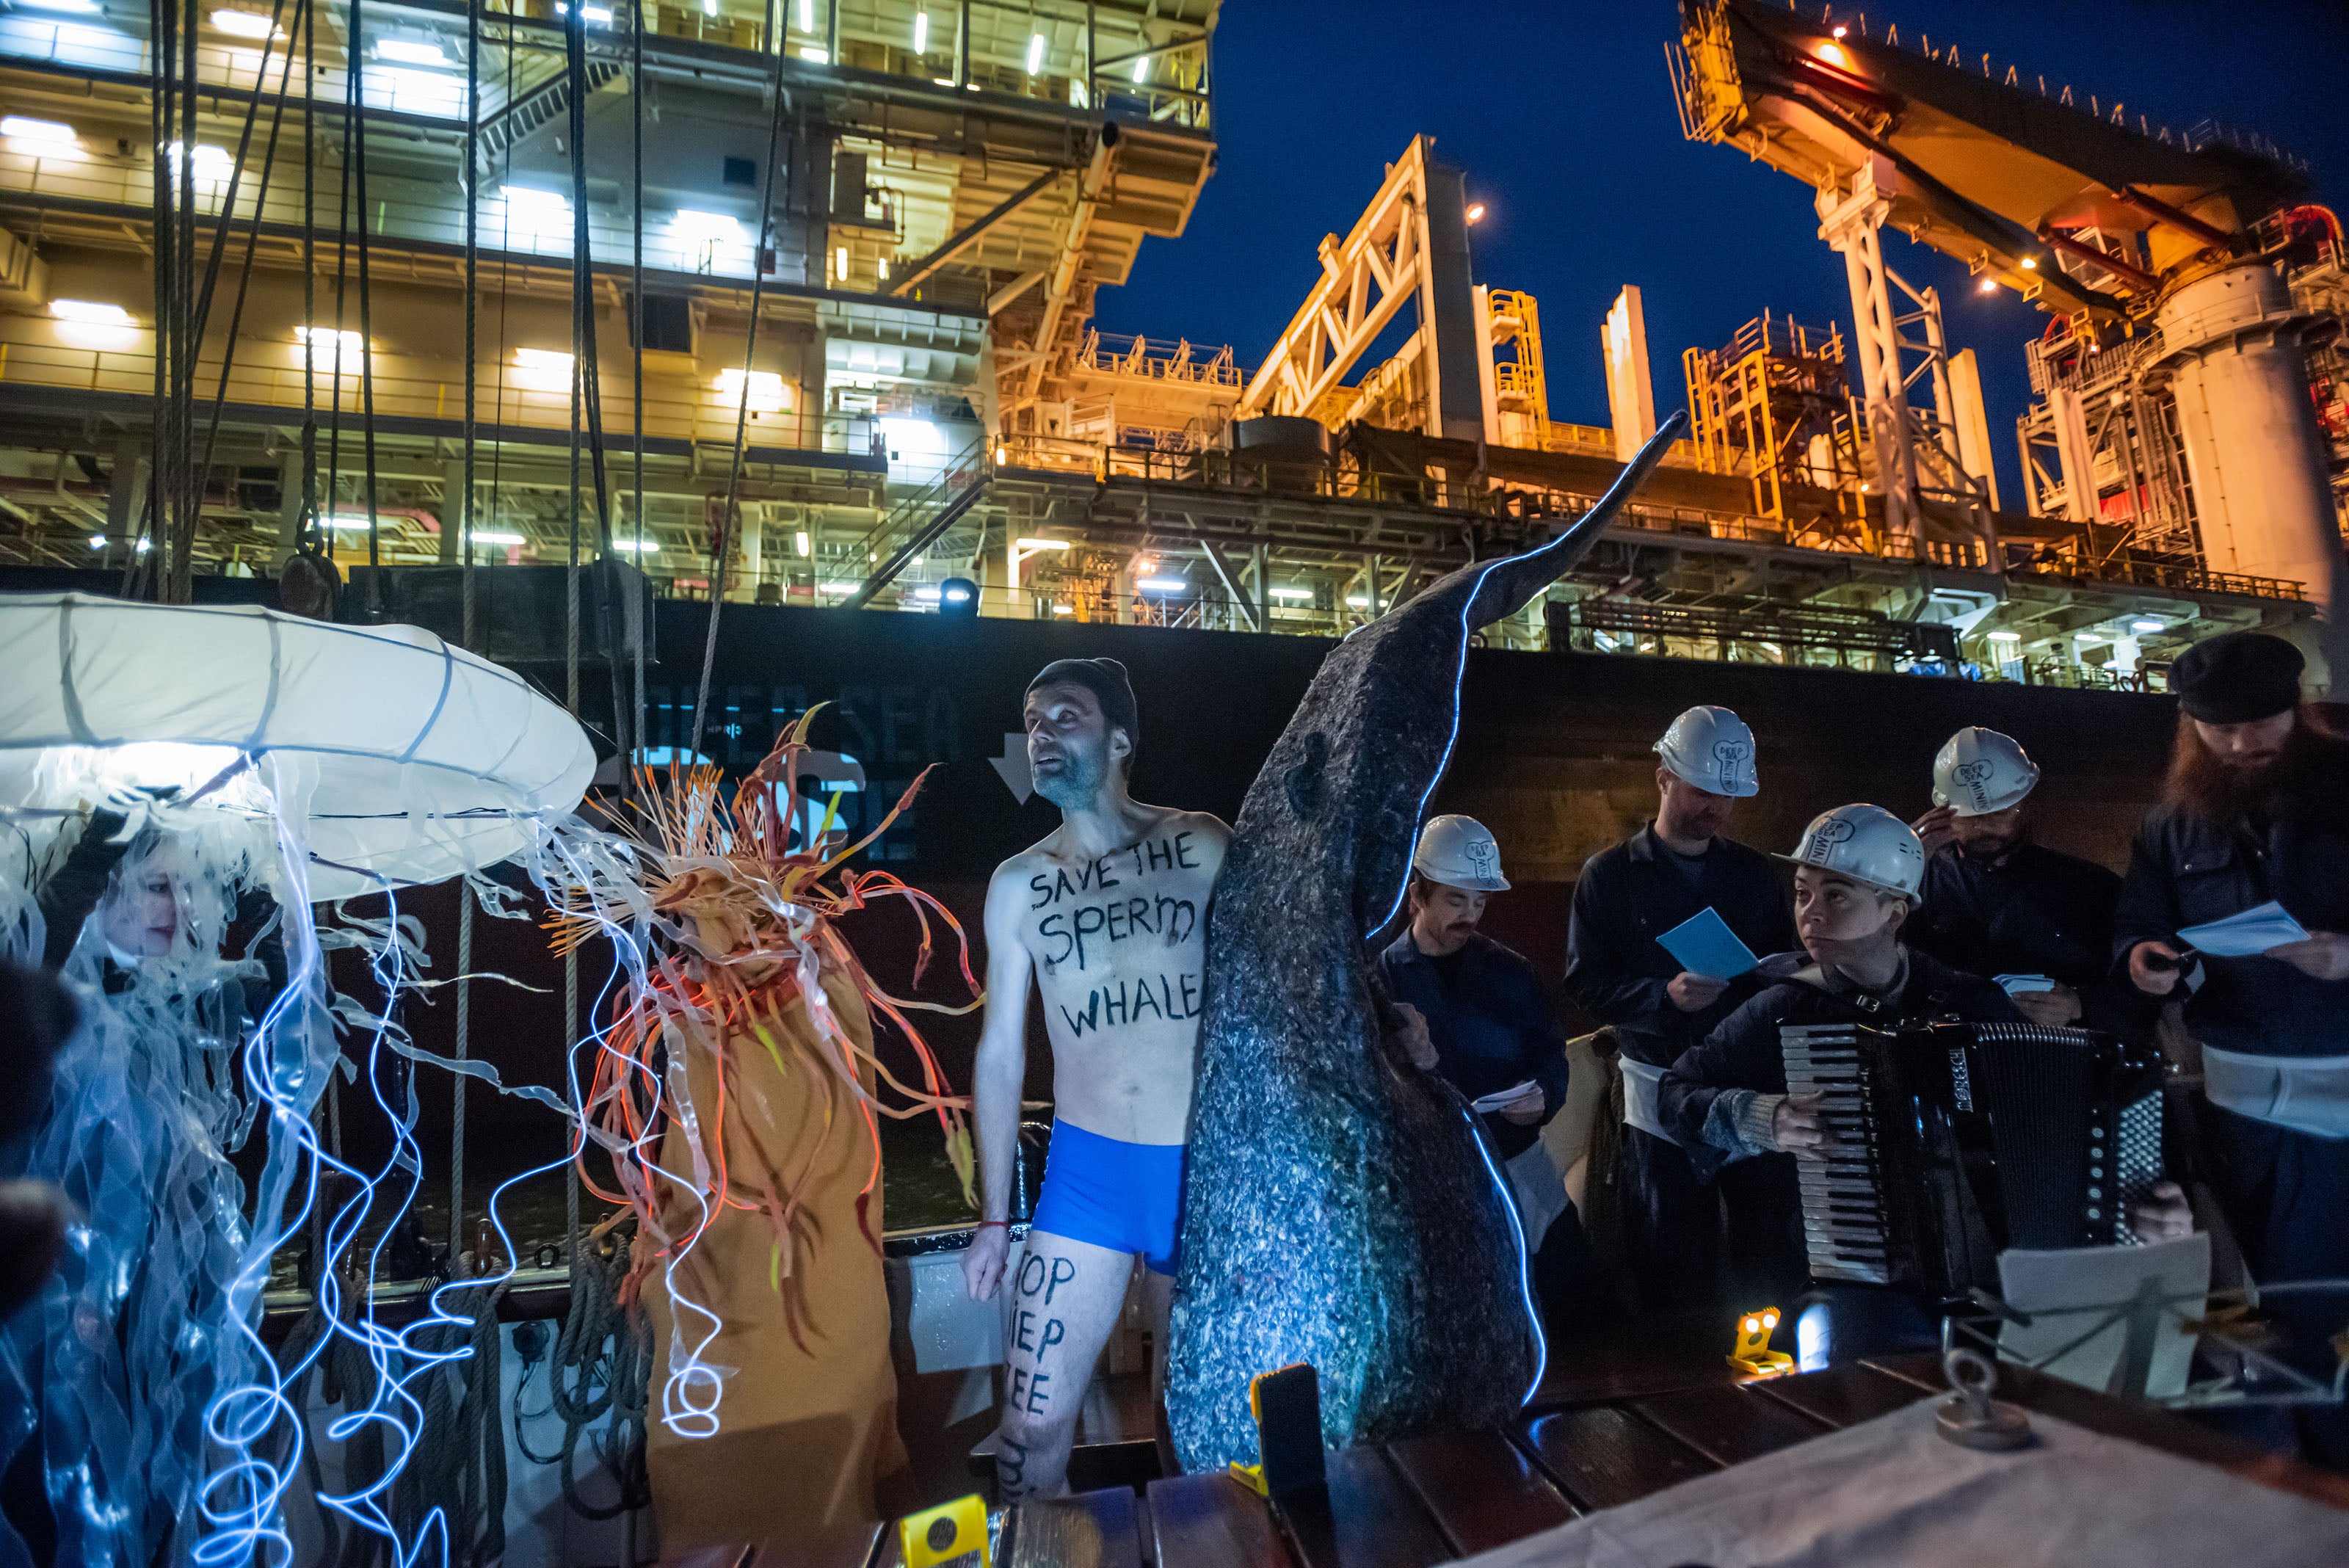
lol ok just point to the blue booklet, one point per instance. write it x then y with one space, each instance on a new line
1706 945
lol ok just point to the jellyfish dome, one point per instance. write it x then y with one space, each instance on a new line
166 773
417 761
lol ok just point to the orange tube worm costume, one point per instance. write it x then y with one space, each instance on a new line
737 1090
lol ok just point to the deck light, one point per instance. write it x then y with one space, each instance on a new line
45 134
239 24
409 52
89 313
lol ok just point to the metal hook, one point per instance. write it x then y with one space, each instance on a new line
1970 1416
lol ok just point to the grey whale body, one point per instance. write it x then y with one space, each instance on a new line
1341 1209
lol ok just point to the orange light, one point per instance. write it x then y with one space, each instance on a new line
1833 54
1475 211
1841 30
1990 285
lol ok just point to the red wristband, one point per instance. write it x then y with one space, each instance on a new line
985 1223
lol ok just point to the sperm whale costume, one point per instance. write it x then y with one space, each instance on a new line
1343 1208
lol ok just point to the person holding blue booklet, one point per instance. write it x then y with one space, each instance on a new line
2255 812
1656 919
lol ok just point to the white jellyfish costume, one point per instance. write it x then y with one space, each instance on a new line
232 753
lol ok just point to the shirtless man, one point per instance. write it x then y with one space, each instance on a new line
1107 915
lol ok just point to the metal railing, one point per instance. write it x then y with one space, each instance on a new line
269 373
1216 468
1115 353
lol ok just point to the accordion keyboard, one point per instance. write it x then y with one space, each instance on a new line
1845 1226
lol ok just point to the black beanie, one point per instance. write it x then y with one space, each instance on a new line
1106 679
2238 678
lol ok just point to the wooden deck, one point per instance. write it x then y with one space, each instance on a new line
1438 1499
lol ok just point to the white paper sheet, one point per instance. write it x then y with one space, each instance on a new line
1499 1097
1891 1493
2056 1287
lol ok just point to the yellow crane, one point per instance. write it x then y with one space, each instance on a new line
2126 228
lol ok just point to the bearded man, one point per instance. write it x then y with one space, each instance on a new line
2255 810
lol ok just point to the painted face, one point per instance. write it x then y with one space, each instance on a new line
1991 835
1835 916
2247 748
142 914
1687 812
1070 746
1443 918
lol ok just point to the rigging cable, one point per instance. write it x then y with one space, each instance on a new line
182 564
335 359
358 141
253 235
463 523
307 534
587 388
723 539
161 20
635 747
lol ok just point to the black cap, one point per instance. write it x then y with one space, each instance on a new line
1106 679
2238 678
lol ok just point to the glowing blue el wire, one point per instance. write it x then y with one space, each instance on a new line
1508 1198
240 1502
1524 1262
1451 738
693 1389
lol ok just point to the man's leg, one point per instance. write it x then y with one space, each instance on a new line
1060 1305
1158 1310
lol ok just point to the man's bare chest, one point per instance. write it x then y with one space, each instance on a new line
1134 914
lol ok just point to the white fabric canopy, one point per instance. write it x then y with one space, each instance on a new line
422 760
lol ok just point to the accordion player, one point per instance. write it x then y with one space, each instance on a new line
1951 1142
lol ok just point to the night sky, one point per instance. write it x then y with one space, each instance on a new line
1562 116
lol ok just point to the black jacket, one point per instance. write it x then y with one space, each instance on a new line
1743 1052
2035 911
1631 894
1492 1027
2188 869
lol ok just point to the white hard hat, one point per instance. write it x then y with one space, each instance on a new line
1980 771
1712 749
1867 844
1459 852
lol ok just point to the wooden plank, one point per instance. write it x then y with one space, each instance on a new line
1088 1530
1479 1488
849 1546
1371 1518
1841 1395
852 1546
1212 1519
1639 1360
1602 1456
1728 1426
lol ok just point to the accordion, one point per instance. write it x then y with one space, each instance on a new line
1955 1141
